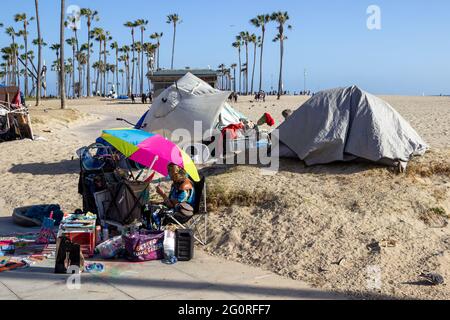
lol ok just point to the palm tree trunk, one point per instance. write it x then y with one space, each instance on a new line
234 79
159 44
261 60
128 75
38 91
26 56
73 72
117 70
98 68
138 68
122 84
142 61
246 68
88 73
240 71
280 79
133 62
105 84
173 43
78 64
253 71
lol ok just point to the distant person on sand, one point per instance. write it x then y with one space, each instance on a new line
133 100
235 97
144 98
150 97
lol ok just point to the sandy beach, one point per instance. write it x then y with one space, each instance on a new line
335 227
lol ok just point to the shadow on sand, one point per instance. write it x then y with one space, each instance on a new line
56 168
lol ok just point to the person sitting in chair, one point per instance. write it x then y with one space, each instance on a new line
181 197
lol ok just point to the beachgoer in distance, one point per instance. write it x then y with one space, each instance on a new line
133 100
150 96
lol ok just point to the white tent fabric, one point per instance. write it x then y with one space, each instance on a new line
347 123
190 99
229 116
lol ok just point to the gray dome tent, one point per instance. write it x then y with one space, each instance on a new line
346 124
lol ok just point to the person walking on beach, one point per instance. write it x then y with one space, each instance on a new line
133 100
144 98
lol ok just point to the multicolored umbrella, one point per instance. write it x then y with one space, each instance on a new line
150 150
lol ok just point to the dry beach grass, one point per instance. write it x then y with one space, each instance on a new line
328 225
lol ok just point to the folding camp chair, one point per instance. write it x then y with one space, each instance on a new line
200 214
128 199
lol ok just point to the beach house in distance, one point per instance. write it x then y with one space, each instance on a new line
162 79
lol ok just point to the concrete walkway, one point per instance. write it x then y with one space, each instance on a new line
205 277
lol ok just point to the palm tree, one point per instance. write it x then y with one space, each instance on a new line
131 25
234 66
150 50
173 19
38 23
106 38
82 61
84 51
23 18
138 48
8 56
280 18
238 44
90 15
69 70
222 73
141 23
260 22
12 33
245 36
126 60
62 66
56 47
72 22
98 35
115 46
157 36
72 42
255 40
121 73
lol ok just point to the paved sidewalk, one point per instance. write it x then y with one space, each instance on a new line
205 277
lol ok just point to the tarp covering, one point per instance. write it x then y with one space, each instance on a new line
346 124
190 99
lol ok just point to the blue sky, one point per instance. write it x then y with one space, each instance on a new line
409 55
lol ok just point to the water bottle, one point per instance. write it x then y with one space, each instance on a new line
105 232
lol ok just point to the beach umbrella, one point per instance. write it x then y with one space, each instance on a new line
150 150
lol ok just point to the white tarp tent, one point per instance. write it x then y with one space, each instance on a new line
346 124
190 99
